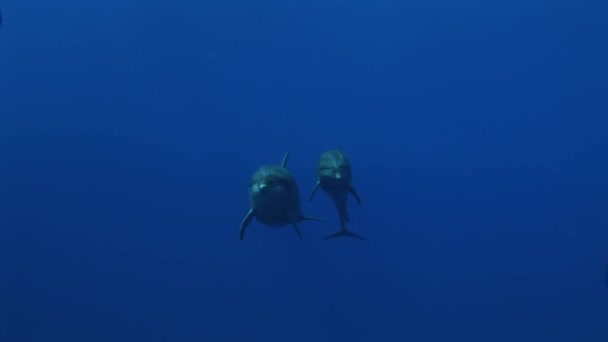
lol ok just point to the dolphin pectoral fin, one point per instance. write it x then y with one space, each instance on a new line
342 233
314 190
245 223
355 194
295 226
284 161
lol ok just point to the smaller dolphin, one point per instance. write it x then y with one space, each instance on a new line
335 177
274 198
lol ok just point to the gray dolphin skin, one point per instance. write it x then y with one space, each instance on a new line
274 198
335 178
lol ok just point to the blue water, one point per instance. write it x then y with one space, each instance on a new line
477 131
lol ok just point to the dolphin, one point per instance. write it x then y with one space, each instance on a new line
335 178
274 198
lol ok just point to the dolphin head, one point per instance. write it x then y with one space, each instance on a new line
335 175
266 186
334 168
269 181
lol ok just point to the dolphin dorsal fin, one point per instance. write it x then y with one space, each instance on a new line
284 162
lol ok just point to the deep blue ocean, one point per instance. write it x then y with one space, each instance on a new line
477 133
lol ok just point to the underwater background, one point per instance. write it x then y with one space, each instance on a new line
477 133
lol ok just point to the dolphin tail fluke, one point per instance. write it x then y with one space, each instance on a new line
245 223
314 190
344 233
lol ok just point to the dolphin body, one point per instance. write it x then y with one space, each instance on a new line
274 198
335 177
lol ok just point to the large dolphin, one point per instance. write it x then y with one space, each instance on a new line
335 178
274 198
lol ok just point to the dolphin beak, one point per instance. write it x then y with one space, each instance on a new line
259 187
